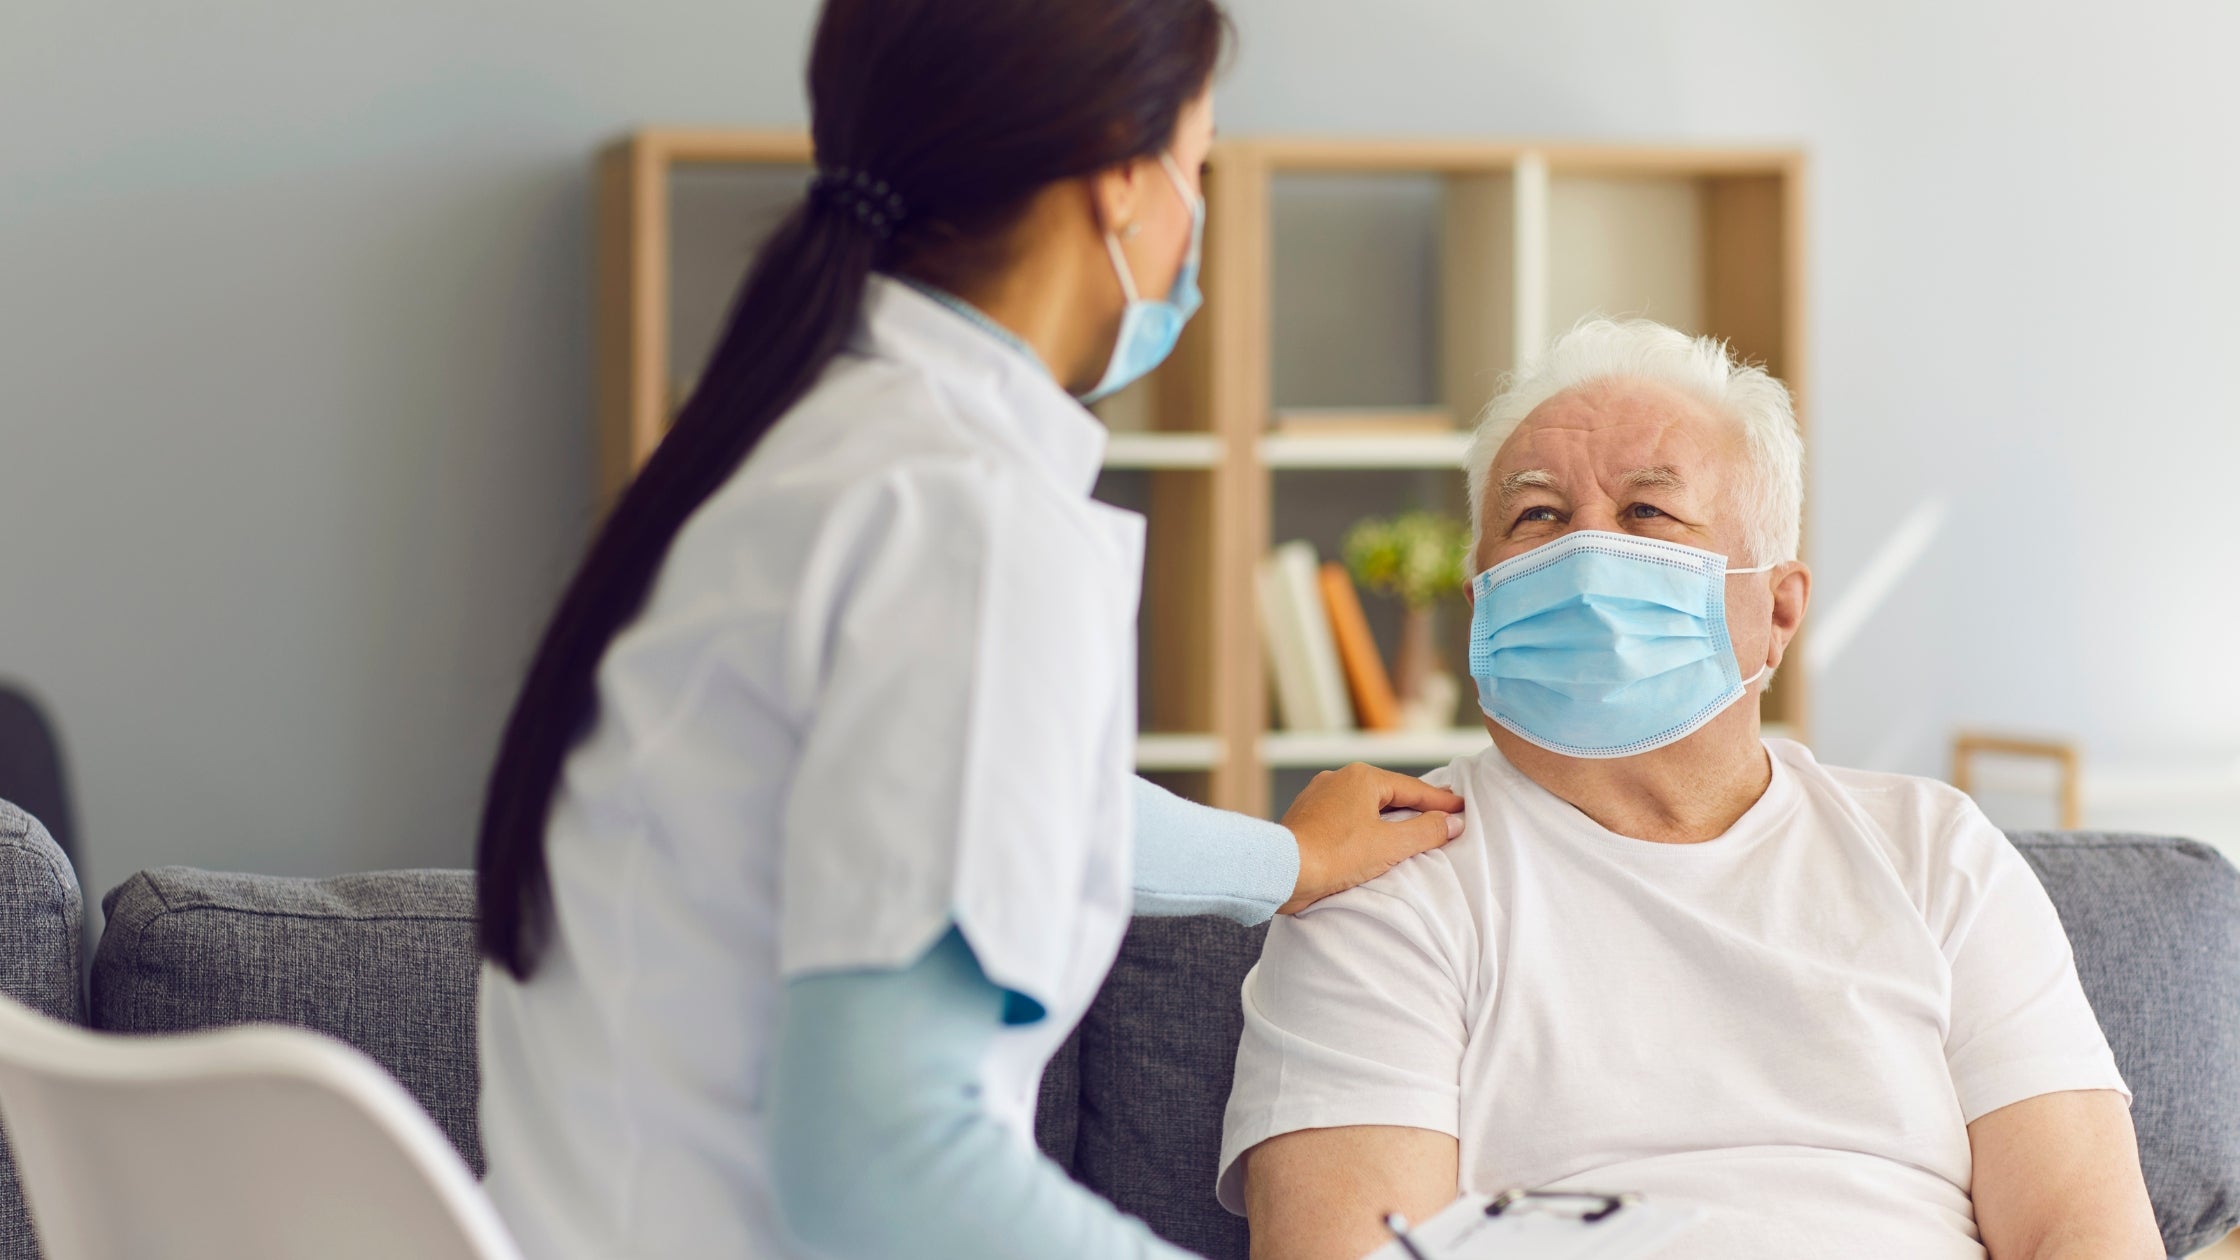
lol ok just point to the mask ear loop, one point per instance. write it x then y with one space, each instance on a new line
1120 264
1112 243
1763 670
1190 199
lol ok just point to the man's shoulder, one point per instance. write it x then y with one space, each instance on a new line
1927 827
1426 891
1451 882
1886 789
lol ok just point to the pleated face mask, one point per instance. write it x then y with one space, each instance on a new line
1150 327
1605 645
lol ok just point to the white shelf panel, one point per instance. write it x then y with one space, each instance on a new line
1177 752
1320 750
1400 450
1162 450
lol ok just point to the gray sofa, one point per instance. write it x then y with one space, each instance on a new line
1132 1106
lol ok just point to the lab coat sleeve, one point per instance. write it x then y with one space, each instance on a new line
954 664
1195 859
882 1145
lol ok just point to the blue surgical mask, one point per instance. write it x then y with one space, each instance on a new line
1148 328
1605 645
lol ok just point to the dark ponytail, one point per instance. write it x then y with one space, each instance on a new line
964 109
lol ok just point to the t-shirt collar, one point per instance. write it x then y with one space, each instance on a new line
1765 816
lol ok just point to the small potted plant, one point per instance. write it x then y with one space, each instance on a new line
1419 558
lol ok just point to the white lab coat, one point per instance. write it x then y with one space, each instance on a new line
885 682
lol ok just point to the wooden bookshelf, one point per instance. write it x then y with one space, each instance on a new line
1525 239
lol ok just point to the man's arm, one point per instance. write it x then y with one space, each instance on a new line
1321 1194
2058 1176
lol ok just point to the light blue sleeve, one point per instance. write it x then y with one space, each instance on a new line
881 1145
1194 859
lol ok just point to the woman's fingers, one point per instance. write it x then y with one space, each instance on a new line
1404 838
1345 836
1405 791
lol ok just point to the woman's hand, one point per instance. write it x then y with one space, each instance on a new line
1344 841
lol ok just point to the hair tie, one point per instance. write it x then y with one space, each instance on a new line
869 200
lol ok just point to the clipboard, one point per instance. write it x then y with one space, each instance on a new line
1539 1225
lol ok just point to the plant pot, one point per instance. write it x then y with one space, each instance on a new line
1427 692
1418 658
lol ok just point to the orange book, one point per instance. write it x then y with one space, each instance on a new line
1373 700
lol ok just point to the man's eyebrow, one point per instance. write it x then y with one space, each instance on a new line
1655 477
1523 479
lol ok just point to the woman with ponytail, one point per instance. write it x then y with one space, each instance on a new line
813 831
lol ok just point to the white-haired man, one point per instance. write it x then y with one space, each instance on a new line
1832 1009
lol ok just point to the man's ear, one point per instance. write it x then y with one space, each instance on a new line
1792 592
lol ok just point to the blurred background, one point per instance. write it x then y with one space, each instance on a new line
296 340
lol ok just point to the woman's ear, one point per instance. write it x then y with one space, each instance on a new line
1116 197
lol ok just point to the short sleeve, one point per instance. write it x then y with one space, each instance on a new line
957 657
1356 1014
2020 1025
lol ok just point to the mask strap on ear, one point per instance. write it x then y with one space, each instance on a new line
1120 264
1174 172
1112 243
1763 670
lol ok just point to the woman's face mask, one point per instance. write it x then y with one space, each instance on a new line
1149 328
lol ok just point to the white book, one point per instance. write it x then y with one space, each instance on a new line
1327 706
1286 650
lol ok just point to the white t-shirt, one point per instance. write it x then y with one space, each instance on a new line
885 681
1791 1025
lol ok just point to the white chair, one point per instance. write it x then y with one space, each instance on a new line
254 1143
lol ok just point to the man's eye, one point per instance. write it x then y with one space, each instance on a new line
1644 512
1536 514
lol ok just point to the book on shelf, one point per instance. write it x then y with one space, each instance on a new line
1309 682
1374 701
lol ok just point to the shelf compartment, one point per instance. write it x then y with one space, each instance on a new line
1174 751
1353 311
1315 750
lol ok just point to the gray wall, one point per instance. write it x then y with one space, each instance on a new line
294 435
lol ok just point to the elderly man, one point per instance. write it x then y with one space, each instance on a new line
1832 1009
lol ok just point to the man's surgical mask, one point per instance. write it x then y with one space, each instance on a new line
1150 328
1605 645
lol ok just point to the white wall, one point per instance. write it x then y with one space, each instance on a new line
294 434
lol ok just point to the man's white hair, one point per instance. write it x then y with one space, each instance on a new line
1702 367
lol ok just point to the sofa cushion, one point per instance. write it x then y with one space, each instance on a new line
41 913
1158 1050
384 961
2155 924
1057 1115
